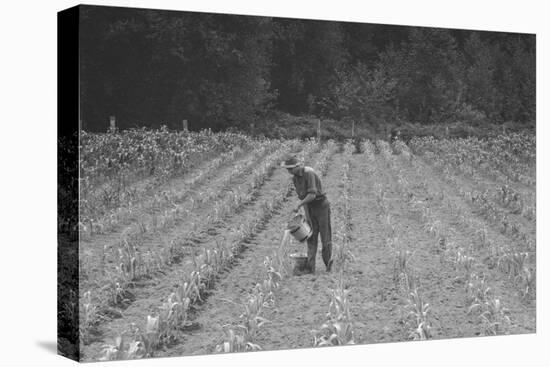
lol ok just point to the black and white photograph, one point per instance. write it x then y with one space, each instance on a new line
253 183
233 183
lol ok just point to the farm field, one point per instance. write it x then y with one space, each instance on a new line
432 239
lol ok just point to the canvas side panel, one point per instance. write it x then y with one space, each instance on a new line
67 183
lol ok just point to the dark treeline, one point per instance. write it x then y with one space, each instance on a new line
150 67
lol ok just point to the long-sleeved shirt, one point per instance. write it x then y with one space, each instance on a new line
307 181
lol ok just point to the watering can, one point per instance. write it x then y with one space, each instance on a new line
299 228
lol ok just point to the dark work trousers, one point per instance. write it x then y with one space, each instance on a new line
319 214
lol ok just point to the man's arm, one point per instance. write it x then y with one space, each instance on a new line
308 199
311 190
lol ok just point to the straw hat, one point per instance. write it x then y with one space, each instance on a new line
290 163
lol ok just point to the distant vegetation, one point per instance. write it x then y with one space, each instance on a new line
153 68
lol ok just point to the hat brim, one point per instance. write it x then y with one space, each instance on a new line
289 165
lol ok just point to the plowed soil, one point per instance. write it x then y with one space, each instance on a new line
377 306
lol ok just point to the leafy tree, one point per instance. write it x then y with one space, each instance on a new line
481 92
158 67
364 95
306 57
151 67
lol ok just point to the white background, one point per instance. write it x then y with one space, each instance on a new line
28 166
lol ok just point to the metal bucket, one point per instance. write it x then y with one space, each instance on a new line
300 261
299 228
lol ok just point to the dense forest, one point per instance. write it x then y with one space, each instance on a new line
152 68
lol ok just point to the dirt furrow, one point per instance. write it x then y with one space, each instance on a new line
149 293
92 250
471 185
374 301
478 175
144 190
483 174
434 280
161 241
467 215
522 312
300 304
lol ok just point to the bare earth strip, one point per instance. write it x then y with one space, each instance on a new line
375 303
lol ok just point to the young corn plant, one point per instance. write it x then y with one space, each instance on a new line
493 315
89 317
190 288
342 256
513 263
464 262
240 338
418 317
251 319
391 229
172 316
120 350
236 343
477 289
381 199
338 330
403 273
334 333
116 287
274 277
526 280
149 339
405 282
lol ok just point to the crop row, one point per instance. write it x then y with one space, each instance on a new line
338 327
504 194
480 299
514 161
168 323
134 262
241 337
511 258
134 205
139 153
136 233
415 309
115 169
